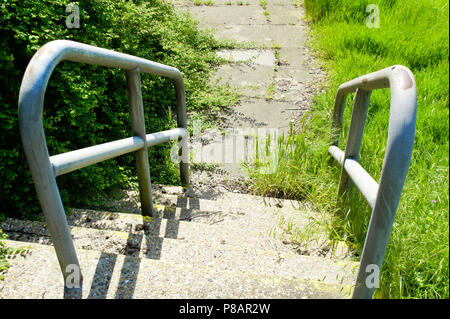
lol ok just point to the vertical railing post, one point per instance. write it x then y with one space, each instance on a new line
138 127
355 134
182 122
338 116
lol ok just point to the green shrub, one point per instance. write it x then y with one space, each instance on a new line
87 105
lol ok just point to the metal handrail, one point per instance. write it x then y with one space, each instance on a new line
384 197
44 168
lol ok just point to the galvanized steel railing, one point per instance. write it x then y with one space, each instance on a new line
384 197
44 168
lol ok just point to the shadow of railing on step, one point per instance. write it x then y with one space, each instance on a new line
149 240
384 197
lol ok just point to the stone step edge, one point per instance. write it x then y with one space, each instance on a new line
136 224
129 203
139 222
176 213
188 192
339 289
37 231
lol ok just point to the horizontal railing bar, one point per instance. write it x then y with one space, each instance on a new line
67 162
362 180
70 161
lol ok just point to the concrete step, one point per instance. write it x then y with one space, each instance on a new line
260 229
198 250
107 275
223 204
128 200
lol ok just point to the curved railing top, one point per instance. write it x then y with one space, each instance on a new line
403 97
396 76
44 61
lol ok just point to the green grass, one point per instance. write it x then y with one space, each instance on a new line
277 59
203 2
263 4
414 34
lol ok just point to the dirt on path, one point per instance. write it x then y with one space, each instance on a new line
272 70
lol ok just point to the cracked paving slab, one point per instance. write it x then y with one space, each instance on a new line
272 75
253 113
251 81
249 56
263 35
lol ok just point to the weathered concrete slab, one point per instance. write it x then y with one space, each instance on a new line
253 80
192 248
250 56
292 84
233 2
229 15
288 36
259 113
288 90
300 74
294 58
287 14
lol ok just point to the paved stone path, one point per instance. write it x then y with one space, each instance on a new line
270 68
228 247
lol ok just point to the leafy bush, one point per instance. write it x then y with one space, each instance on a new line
87 105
